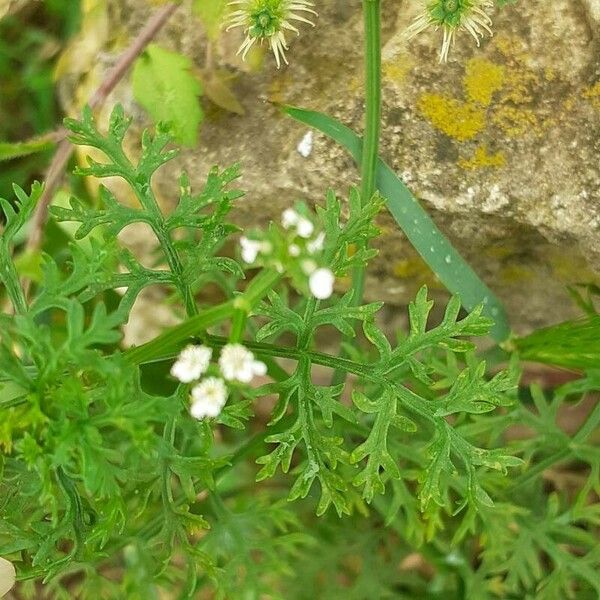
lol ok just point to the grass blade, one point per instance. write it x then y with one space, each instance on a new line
571 344
435 249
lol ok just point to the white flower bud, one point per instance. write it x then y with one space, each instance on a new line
304 227
289 218
250 249
321 283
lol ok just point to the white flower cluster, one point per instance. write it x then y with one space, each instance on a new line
320 280
209 396
300 242
237 363
252 248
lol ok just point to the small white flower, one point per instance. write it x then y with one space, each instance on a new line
209 398
304 227
250 249
294 250
7 576
306 145
317 244
289 218
237 364
321 283
191 363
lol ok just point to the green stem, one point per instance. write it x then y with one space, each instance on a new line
372 24
370 148
175 337
238 325
10 278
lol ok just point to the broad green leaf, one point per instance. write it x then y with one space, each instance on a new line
164 85
453 271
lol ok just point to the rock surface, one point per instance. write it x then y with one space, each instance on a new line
501 144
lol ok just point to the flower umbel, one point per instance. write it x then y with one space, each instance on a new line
191 363
238 363
453 16
208 398
268 20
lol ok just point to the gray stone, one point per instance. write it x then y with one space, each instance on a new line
501 143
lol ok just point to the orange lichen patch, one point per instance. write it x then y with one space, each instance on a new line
459 120
515 122
482 79
593 94
482 159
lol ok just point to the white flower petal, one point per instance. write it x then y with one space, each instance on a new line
289 218
317 244
259 368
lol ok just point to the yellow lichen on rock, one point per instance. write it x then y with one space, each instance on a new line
460 120
482 79
515 122
416 269
593 94
482 159
396 71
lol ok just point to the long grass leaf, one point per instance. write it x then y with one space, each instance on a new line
435 249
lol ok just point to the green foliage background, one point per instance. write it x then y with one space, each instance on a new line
434 473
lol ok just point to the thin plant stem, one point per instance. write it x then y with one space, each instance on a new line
372 24
370 149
